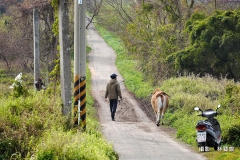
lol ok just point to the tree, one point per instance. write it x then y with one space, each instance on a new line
16 34
116 14
214 45
93 7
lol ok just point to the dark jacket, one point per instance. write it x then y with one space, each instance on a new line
113 90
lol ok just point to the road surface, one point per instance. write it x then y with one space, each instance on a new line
133 135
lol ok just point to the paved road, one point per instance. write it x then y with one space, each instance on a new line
133 135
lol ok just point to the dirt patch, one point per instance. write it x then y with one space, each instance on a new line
126 113
146 107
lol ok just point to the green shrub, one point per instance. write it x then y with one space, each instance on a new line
7 148
19 89
24 119
47 155
73 145
2 73
231 99
233 136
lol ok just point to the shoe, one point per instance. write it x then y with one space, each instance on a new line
113 119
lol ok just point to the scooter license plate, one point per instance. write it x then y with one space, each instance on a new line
201 136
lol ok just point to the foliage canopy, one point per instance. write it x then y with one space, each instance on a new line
214 45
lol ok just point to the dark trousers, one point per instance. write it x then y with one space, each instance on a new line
113 107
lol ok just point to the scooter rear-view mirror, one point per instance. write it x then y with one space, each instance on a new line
218 107
196 108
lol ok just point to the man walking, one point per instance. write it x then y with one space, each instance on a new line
113 92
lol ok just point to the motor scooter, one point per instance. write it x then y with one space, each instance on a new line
208 131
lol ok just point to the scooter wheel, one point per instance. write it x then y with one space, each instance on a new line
216 146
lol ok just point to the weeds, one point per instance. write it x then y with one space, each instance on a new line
32 126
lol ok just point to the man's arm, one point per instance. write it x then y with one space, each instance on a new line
119 91
106 93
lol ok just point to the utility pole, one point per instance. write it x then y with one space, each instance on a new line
65 61
215 4
36 44
80 62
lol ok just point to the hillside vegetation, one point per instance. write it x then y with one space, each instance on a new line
170 37
189 49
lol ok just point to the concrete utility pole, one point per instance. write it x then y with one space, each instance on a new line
36 44
80 62
215 4
65 61
83 39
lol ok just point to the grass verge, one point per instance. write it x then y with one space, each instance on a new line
32 127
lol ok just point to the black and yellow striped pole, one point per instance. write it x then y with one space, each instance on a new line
79 117
80 101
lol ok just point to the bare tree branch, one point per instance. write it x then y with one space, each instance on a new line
118 6
93 7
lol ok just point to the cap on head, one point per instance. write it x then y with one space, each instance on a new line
113 76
